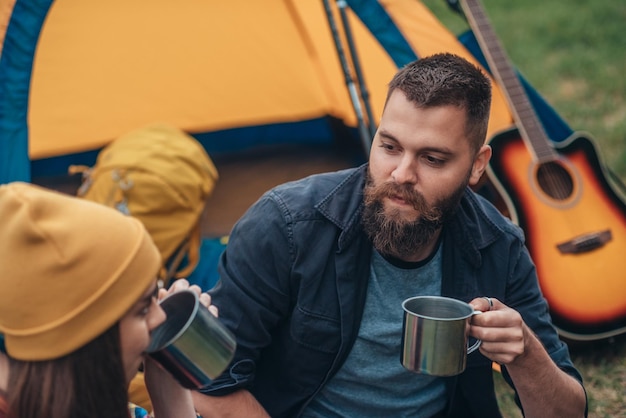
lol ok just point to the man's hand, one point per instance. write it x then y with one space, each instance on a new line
544 389
501 329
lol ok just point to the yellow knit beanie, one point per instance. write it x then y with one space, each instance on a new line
69 270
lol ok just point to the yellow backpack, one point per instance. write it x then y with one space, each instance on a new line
162 176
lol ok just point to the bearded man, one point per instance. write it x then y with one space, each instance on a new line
315 272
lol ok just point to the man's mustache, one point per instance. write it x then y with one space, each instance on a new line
404 192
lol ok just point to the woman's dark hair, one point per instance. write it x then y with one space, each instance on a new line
88 382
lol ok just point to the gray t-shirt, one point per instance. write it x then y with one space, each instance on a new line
372 382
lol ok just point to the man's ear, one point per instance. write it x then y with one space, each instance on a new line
480 164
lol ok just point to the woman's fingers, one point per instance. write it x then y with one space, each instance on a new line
182 284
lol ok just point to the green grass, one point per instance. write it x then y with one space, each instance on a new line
603 366
574 54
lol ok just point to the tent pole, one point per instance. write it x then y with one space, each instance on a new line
342 5
352 90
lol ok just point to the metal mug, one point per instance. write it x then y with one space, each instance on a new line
191 344
435 335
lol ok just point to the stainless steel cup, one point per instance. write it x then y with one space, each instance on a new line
191 344
435 335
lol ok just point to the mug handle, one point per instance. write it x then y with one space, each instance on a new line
474 346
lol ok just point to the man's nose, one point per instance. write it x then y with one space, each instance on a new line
405 172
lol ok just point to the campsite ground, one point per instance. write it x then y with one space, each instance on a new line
572 52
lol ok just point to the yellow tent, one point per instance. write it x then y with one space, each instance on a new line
99 69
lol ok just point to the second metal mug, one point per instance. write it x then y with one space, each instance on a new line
435 334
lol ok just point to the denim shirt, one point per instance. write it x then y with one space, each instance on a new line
293 282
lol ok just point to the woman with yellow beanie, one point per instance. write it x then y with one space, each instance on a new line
78 300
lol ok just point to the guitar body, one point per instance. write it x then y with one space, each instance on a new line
583 280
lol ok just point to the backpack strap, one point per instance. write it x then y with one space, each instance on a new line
189 248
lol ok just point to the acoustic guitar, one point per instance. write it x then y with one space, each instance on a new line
562 195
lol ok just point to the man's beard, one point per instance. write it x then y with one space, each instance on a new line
394 236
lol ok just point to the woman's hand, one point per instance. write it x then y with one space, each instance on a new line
181 284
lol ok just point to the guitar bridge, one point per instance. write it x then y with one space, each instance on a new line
585 243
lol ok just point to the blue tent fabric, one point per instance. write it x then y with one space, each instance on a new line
19 46
137 412
313 131
384 29
205 274
320 131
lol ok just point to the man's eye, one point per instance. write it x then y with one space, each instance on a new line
433 160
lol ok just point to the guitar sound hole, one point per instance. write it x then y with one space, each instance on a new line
555 180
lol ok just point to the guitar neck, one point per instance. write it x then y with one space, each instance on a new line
526 120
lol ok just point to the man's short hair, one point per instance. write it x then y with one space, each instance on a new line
446 79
